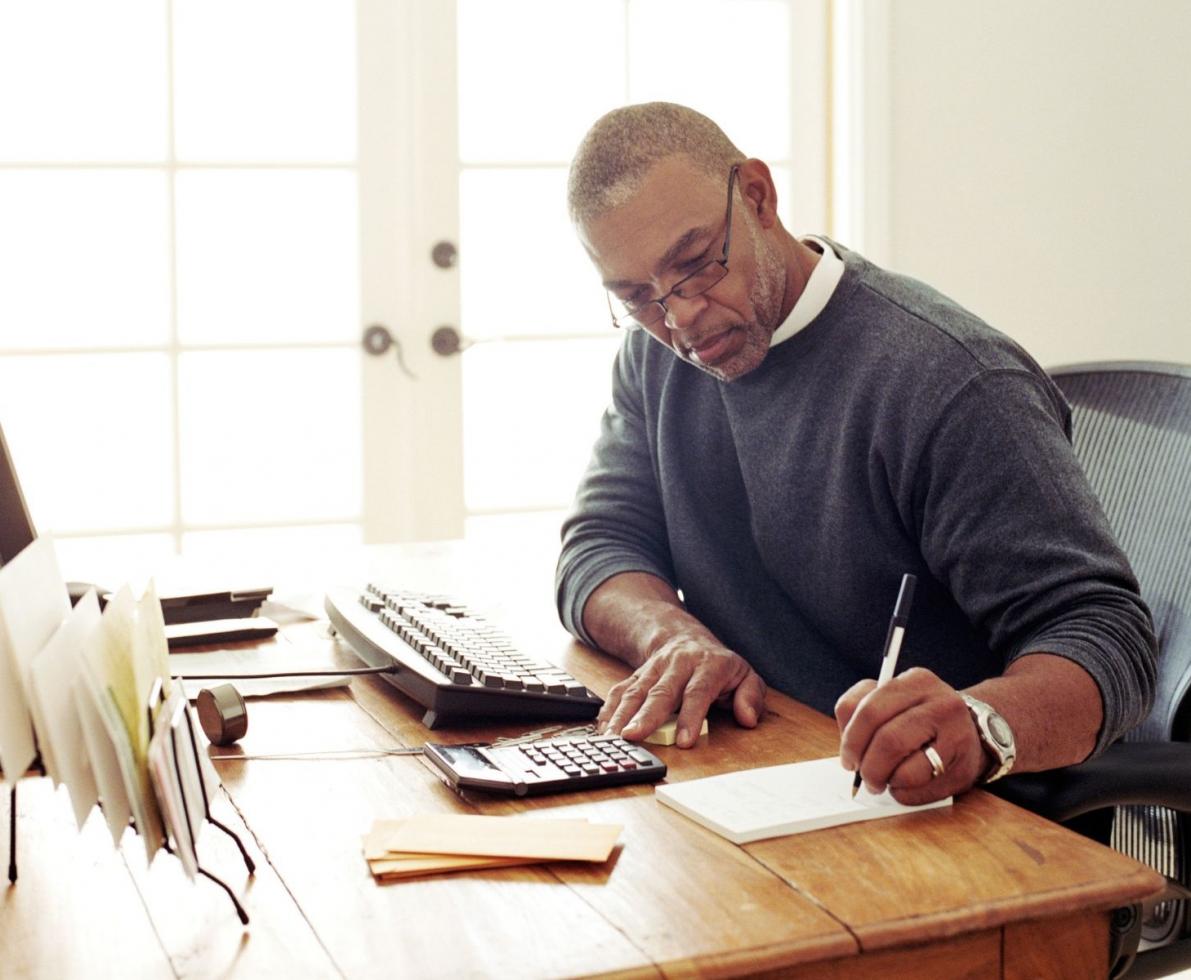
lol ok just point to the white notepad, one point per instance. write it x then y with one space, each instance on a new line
773 801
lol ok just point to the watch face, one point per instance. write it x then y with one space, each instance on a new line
999 729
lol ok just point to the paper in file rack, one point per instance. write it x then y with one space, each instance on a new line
773 801
87 696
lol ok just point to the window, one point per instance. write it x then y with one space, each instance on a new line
205 202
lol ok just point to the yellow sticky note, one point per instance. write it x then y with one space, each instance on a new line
667 732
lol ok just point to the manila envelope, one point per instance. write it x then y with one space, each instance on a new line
510 837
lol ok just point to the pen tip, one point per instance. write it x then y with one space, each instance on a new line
854 790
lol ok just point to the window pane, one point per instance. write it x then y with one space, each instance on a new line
91 438
534 74
85 258
265 80
270 436
523 269
113 560
730 59
267 255
284 558
531 412
81 80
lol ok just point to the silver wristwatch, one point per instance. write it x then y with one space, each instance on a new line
995 735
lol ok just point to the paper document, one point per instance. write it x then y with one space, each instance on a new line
773 801
108 654
385 864
294 607
104 765
515 837
110 683
150 651
33 603
52 675
254 660
174 771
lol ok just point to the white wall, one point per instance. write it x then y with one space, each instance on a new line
1039 167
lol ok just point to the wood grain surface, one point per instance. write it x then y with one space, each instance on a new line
981 889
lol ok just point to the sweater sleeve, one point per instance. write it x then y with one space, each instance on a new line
1008 521
616 523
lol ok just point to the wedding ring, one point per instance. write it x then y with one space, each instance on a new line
936 764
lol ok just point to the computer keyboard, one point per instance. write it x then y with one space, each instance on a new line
451 660
546 765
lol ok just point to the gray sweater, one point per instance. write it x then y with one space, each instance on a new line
895 433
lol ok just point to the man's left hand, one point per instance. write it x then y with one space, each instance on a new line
883 732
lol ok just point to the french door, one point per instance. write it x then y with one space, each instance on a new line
205 205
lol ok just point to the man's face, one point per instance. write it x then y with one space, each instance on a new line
672 224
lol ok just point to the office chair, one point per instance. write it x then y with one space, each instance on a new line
1132 433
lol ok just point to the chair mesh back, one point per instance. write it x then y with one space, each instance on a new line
1132 433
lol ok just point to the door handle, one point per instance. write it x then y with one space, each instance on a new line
377 340
446 340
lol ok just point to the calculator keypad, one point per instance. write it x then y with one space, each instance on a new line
555 765
586 756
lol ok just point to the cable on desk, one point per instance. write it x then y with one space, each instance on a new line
321 756
285 673
551 731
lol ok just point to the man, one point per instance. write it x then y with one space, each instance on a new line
791 430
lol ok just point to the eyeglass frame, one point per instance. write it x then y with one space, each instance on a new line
629 317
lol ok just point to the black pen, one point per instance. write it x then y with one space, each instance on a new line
893 642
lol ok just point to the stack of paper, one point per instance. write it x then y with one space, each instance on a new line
434 843
76 687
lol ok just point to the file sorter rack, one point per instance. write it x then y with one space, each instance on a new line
36 768
155 699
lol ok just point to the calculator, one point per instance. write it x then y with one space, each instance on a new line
547 765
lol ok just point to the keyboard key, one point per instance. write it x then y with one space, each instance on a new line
443 633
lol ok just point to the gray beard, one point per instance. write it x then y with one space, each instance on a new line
769 285
766 299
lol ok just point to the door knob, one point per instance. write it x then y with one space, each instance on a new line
444 254
377 340
446 341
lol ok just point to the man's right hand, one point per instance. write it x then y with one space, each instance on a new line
686 676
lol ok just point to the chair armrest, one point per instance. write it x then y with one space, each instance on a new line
1144 773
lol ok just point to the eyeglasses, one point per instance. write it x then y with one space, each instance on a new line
697 283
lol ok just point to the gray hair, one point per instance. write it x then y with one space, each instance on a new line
625 143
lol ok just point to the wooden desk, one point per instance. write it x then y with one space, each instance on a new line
978 890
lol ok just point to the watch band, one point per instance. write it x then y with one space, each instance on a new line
995 735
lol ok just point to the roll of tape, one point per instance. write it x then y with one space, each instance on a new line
223 714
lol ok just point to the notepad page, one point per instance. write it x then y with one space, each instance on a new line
753 804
